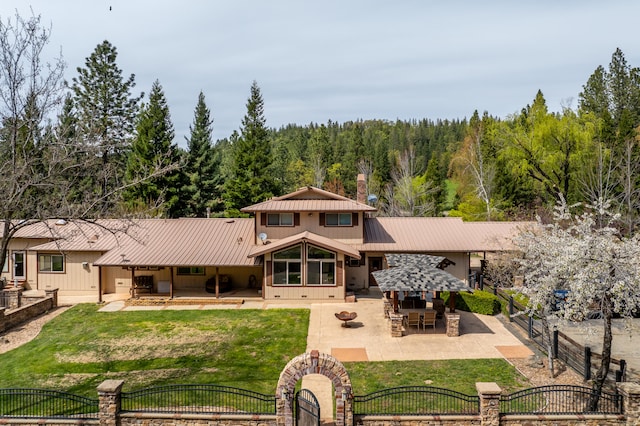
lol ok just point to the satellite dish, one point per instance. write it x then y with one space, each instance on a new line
262 236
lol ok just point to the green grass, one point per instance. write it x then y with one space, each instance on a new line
79 349
459 375
247 349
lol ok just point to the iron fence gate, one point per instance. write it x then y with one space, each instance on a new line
307 409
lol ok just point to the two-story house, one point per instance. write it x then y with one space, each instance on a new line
308 244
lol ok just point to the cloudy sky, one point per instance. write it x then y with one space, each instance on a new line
343 60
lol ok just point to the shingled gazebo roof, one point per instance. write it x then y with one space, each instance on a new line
417 272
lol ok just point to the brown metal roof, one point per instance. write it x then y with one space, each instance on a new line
186 242
309 199
315 239
432 234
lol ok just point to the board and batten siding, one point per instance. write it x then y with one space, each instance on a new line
77 278
311 222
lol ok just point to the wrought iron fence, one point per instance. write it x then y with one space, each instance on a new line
415 400
43 403
207 399
561 399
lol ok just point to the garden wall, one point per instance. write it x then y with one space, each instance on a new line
24 313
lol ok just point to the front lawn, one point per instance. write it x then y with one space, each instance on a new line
241 348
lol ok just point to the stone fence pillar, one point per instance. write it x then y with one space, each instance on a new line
53 293
109 402
489 394
396 324
630 401
13 297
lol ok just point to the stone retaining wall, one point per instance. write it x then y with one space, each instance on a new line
24 313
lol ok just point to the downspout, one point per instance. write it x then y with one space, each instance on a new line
217 283
99 284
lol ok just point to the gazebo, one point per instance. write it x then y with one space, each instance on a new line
419 273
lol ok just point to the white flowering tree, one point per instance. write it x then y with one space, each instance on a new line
585 254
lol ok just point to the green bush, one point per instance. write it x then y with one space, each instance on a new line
479 302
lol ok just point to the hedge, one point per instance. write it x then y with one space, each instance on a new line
479 302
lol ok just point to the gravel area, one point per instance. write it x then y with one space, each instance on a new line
27 331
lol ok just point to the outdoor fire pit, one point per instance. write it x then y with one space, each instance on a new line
346 316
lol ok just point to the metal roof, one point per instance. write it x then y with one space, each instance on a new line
309 199
416 273
186 242
314 239
436 234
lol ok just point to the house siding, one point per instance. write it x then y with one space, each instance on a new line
311 222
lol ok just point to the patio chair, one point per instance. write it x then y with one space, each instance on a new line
413 319
429 319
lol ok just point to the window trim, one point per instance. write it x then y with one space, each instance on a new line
51 256
287 262
353 219
333 261
192 270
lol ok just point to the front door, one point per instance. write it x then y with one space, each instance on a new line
375 264
18 265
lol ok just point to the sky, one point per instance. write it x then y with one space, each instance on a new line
345 60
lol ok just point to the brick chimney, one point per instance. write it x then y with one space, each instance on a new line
362 189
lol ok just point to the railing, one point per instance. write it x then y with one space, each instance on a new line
207 399
43 403
577 357
416 400
560 399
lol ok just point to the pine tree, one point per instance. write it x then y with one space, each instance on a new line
154 154
106 113
203 192
252 180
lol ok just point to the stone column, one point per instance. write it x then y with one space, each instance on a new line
630 393
13 297
53 293
489 394
109 402
386 306
396 324
453 324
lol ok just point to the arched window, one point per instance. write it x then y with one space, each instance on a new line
321 266
287 266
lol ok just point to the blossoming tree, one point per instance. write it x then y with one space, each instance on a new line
586 255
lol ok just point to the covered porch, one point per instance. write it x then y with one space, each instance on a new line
412 284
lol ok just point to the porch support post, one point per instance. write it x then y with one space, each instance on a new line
171 282
217 282
452 301
133 282
395 302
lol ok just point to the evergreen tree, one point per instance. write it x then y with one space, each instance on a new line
252 180
202 166
154 154
106 113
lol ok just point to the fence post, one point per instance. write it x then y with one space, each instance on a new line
109 402
481 281
530 327
623 371
587 363
53 293
555 342
489 394
510 306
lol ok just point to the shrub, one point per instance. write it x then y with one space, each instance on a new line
479 302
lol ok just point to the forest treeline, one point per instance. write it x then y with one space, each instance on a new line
121 157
